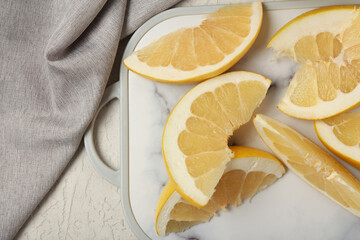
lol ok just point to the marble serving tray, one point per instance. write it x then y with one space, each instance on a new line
289 209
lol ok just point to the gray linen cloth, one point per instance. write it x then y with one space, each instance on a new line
55 60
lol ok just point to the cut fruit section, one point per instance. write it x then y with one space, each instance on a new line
341 135
310 163
250 171
326 42
198 53
195 138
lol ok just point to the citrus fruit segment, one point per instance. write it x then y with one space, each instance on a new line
326 43
197 53
250 171
195 137
310 163
341 135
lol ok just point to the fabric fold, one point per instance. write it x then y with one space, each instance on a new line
74 22
55 60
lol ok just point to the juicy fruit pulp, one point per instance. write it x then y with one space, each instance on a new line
194 54
327 71
310 163
215 116
346 128
341 135
241 181
330 64
195 137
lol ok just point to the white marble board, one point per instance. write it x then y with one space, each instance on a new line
289 209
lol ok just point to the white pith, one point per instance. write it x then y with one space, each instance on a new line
164 215
327 135
334 21
169 73
323 109
248 164
260 123
176 123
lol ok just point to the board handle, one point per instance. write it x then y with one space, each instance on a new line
113 176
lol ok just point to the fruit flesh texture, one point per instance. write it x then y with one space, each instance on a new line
330 65
232 189
346 128
218 36
315 165
215 115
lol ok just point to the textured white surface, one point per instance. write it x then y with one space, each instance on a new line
84 206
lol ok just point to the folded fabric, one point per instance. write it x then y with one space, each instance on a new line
55 60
